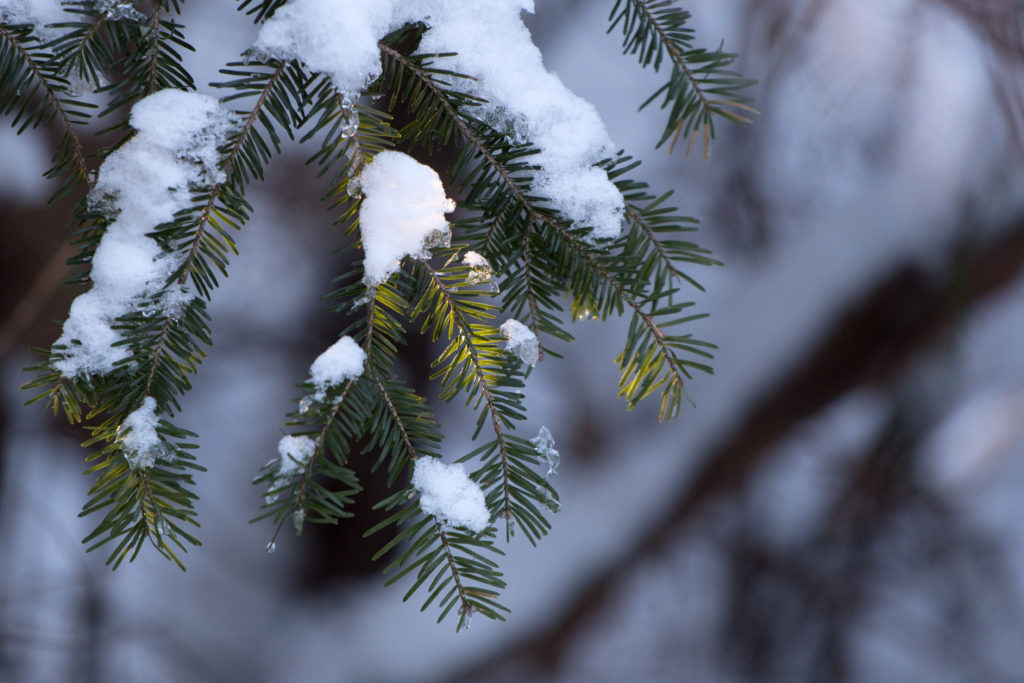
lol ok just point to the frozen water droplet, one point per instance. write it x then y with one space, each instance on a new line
298 517
521 341
465 618
544 444
120 9
351 126
304 405
438 239
354 188
479 275
270 498
271 547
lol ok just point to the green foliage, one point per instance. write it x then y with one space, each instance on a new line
550 273
700 85
35 90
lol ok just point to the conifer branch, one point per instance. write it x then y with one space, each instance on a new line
641 370
700 85
297 501
465 606
24 69
450 107
636 218
648 218
385 396
234 185
152 78
231 190
545 248
522 211
148 60
531 296
83 47
448 558
467 341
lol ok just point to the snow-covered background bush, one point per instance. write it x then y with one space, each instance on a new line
843 502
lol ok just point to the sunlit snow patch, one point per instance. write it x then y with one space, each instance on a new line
402 213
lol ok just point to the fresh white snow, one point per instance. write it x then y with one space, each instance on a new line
334 37
495 47
521 341
139 440
141 185
447 493
402 213
491 44
342 361
475 260
295 452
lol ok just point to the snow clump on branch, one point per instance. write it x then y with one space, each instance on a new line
402 213
334 37
447 493
342 361
294 452
139 439
488 41
141 185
